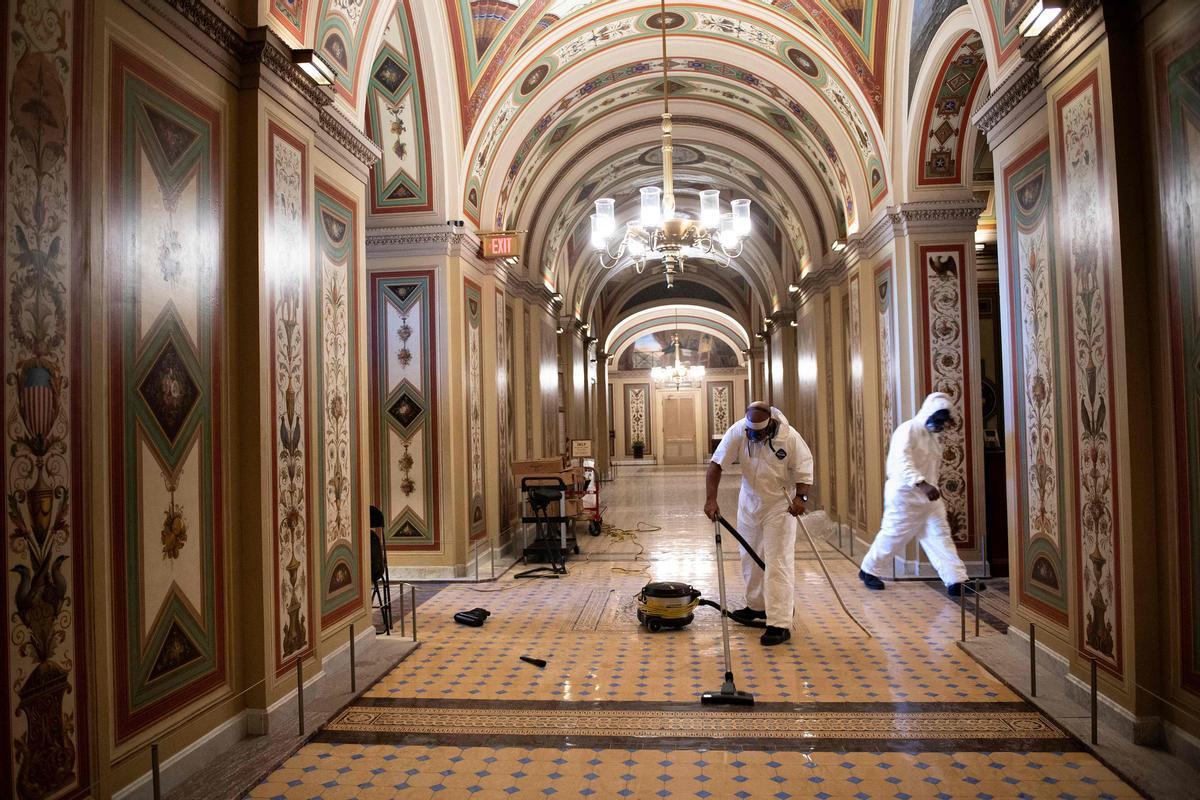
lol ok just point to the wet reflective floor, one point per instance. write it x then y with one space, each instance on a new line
615 711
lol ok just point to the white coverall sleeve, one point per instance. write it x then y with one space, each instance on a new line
902 450
800 465
730 448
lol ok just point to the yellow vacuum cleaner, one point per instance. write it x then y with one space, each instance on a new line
667 604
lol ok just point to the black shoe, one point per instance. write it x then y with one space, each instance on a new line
870 581
748 616
955 589
775 636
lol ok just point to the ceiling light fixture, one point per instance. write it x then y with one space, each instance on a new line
659 233
793 288
680 375
1039 17
838 245
314 66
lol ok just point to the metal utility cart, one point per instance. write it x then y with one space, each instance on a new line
591 511
553 537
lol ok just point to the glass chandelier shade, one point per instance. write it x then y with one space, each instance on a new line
659 233
679 375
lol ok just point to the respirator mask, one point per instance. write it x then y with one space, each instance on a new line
759 431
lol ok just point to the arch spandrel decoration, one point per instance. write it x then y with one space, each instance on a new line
342 29
945 125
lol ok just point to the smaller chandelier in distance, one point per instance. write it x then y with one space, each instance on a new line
659 233
679 376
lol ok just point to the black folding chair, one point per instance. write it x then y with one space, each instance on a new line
381 586
541 494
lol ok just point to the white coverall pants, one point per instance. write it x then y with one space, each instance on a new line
908 514
771 531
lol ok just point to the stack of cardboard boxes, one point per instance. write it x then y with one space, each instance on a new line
556 467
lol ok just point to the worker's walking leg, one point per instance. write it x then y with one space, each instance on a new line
938 545
903 520
778 552
751 531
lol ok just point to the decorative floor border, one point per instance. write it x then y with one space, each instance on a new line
928 727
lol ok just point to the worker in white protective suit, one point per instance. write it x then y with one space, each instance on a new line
912 503
777 471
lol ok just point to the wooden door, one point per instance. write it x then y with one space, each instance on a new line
679 429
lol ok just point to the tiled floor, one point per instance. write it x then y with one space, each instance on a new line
583 624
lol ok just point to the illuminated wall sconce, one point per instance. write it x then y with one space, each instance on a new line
838 245
314 66
793 288
979 247
558 330
794 324
557 298
1040 16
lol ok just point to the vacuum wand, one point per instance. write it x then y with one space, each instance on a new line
836 593
729 694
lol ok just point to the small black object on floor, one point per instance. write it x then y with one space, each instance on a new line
474 618
537 662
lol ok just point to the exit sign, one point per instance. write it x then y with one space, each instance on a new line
501 244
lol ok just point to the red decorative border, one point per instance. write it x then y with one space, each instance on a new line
963 129
376 353
1103 268
967 398
352 270
130 722
415 62
1012 386
286 23
274 130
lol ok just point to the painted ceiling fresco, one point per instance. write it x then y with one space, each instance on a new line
341 30
695 349
396 121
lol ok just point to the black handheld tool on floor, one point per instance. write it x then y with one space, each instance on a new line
729 695
537 662
474 618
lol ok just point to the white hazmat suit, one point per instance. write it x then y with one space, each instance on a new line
915 455
770 471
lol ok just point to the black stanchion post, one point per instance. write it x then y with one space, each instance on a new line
156 776
1032 661
962 608
353 686
402 611
300 693
1095 707
977 608
413 597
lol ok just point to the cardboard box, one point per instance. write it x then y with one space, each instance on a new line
538 466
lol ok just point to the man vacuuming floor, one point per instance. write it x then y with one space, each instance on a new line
777 471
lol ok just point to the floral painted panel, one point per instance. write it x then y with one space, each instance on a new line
164 406
944 307
504 410
528 383
1037 389
404 410
477 509
339 497
1085 225
830 427
720 407
550 389
858 454
44 711
1177 84
637 416
807 360
288 268
885 311
290 14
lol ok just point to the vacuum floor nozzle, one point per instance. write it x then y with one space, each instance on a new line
728 696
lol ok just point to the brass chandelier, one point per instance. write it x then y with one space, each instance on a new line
659 234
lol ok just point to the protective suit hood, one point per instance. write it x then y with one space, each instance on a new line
938 401
781 421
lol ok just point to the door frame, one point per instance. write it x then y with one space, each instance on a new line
699 418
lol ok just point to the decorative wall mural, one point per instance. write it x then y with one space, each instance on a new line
404 407
473 322
696 348
288 265
43 672
1085 224
290 14
947 369
885 321
528 337
1037 389
946 127
165 282
927 17
720 407
830 453
1176 78
1003 19
637 417
339 497
807 360
549 385
341 28
505 404
854 373
395 120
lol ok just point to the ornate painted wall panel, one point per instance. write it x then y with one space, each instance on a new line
165 282
854 375
946 127
720 407
528 353
505 405
1036 384
927 17
830 428
339 495
341 28
637 416
1086 244
288 258
885 328
43 671
947 369
404 407
809 389
291 16
1004 17
473 364
396 113
1177 78
550 388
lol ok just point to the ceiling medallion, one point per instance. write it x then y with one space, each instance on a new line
659 234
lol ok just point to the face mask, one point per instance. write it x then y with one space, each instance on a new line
758 431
